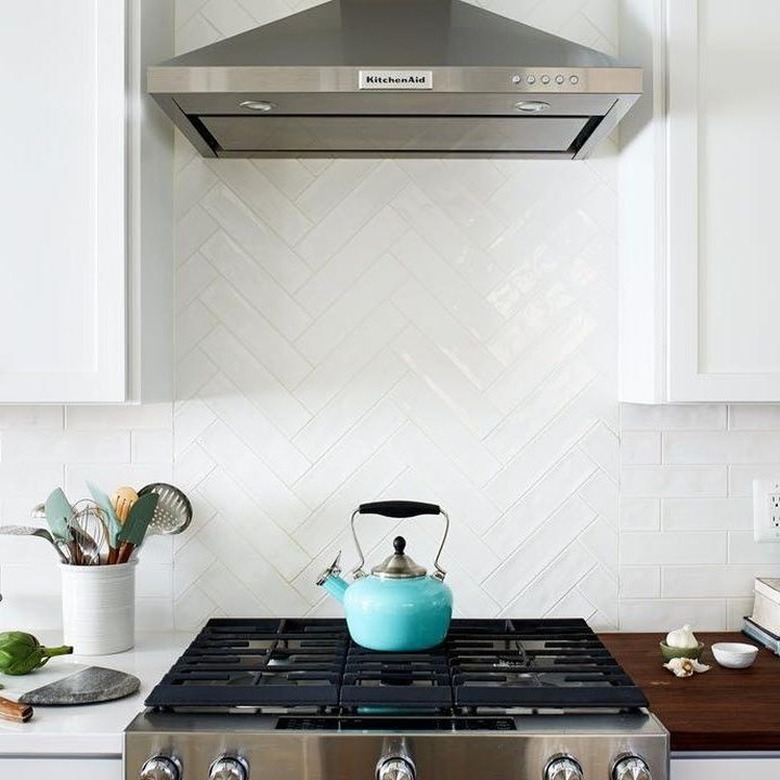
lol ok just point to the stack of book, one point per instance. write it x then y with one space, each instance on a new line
764 624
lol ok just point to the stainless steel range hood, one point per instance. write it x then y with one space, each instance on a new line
395 78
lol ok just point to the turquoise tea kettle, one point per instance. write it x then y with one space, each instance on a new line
398 607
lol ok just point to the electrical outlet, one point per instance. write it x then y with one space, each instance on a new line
766 510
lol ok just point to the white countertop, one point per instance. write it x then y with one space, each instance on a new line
86 729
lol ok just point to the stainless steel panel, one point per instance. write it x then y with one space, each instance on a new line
177 79
401 134
290 755
445 104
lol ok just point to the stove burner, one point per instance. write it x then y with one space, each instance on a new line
482 664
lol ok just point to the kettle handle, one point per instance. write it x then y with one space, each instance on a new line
400 509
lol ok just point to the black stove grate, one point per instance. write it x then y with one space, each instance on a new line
482 665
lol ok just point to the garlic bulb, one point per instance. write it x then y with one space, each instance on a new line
685 667
682 637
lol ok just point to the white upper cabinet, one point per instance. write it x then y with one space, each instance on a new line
85 204
700 271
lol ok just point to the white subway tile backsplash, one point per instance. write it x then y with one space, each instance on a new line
152 447
640 448
256 238
744 549
39 446
640 582
521 569
600 587
603 447
421 404
736 610
669 548
442 330
332 185
640 514
350 309
727 447
255 430
702 514
754 417
541 501
601 540
153 417
741 477
550 584
448 287
710 581
601 494
662 615
673 481
27 417
346 220
247 325
271 205
223 255
195 227
701 417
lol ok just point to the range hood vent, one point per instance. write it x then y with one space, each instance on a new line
395 78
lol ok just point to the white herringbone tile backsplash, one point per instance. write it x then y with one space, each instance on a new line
432 330
358 329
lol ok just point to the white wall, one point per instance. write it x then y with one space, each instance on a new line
444 331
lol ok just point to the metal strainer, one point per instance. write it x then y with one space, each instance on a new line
173 512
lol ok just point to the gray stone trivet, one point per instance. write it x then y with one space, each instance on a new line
88 686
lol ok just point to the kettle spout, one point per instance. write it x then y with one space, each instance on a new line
330 580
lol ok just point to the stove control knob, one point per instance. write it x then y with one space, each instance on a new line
229 768
630 767
563 768
395 769
161 768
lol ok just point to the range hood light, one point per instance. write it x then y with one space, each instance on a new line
257 105
531 106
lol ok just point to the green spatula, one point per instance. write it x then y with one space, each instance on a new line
134 529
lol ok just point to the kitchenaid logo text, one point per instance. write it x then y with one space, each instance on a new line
396 79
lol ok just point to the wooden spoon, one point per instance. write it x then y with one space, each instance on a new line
122 501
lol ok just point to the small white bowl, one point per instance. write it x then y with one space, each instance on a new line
734 655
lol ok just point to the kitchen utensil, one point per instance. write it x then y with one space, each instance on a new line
133 531
113 526
398 607
86 686
57 510
11 710
122 500
88 528
26 530
734 655
173 512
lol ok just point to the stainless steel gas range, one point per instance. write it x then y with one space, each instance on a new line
296 699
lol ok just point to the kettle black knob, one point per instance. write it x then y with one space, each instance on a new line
399 545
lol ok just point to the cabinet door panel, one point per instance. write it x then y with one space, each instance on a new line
723 768
62 201
62 768
723 270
